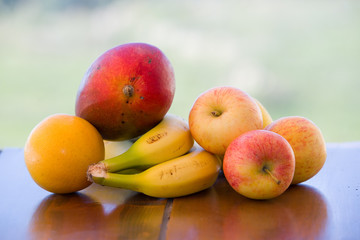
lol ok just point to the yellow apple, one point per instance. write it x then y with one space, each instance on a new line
259 164
307 142
267 119
221 114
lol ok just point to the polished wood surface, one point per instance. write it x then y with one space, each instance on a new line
325 207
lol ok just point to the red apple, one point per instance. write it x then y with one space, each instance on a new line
307 142
126 91
259 164
221 114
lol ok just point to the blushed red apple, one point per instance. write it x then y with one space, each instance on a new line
308 144
126 91
259 164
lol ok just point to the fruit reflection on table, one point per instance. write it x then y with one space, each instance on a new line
299 213
97 214
68 215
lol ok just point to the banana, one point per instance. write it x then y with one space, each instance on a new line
184 175
169 139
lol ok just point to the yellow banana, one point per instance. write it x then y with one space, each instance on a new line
169 139
184 175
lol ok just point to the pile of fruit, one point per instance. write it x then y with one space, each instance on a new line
126 95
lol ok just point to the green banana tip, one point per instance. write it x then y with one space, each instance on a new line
97 170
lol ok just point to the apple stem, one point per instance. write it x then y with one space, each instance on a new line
215 113
265 169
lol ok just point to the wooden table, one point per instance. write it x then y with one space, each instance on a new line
325 207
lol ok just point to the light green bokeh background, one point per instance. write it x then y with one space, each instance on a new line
296 57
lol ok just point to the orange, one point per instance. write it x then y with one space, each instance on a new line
59 150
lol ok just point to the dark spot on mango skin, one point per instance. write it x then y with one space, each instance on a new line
142 98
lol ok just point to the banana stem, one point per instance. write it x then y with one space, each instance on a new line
130 171
123 161
125 181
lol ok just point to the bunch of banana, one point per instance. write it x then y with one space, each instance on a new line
162 163
169 139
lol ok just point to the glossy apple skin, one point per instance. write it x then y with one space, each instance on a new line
307 142
221 114
248 155
126 91
267 119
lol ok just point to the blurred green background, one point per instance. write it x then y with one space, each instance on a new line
296 57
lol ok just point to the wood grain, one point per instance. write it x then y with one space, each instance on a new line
221 213
29 212
324 207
